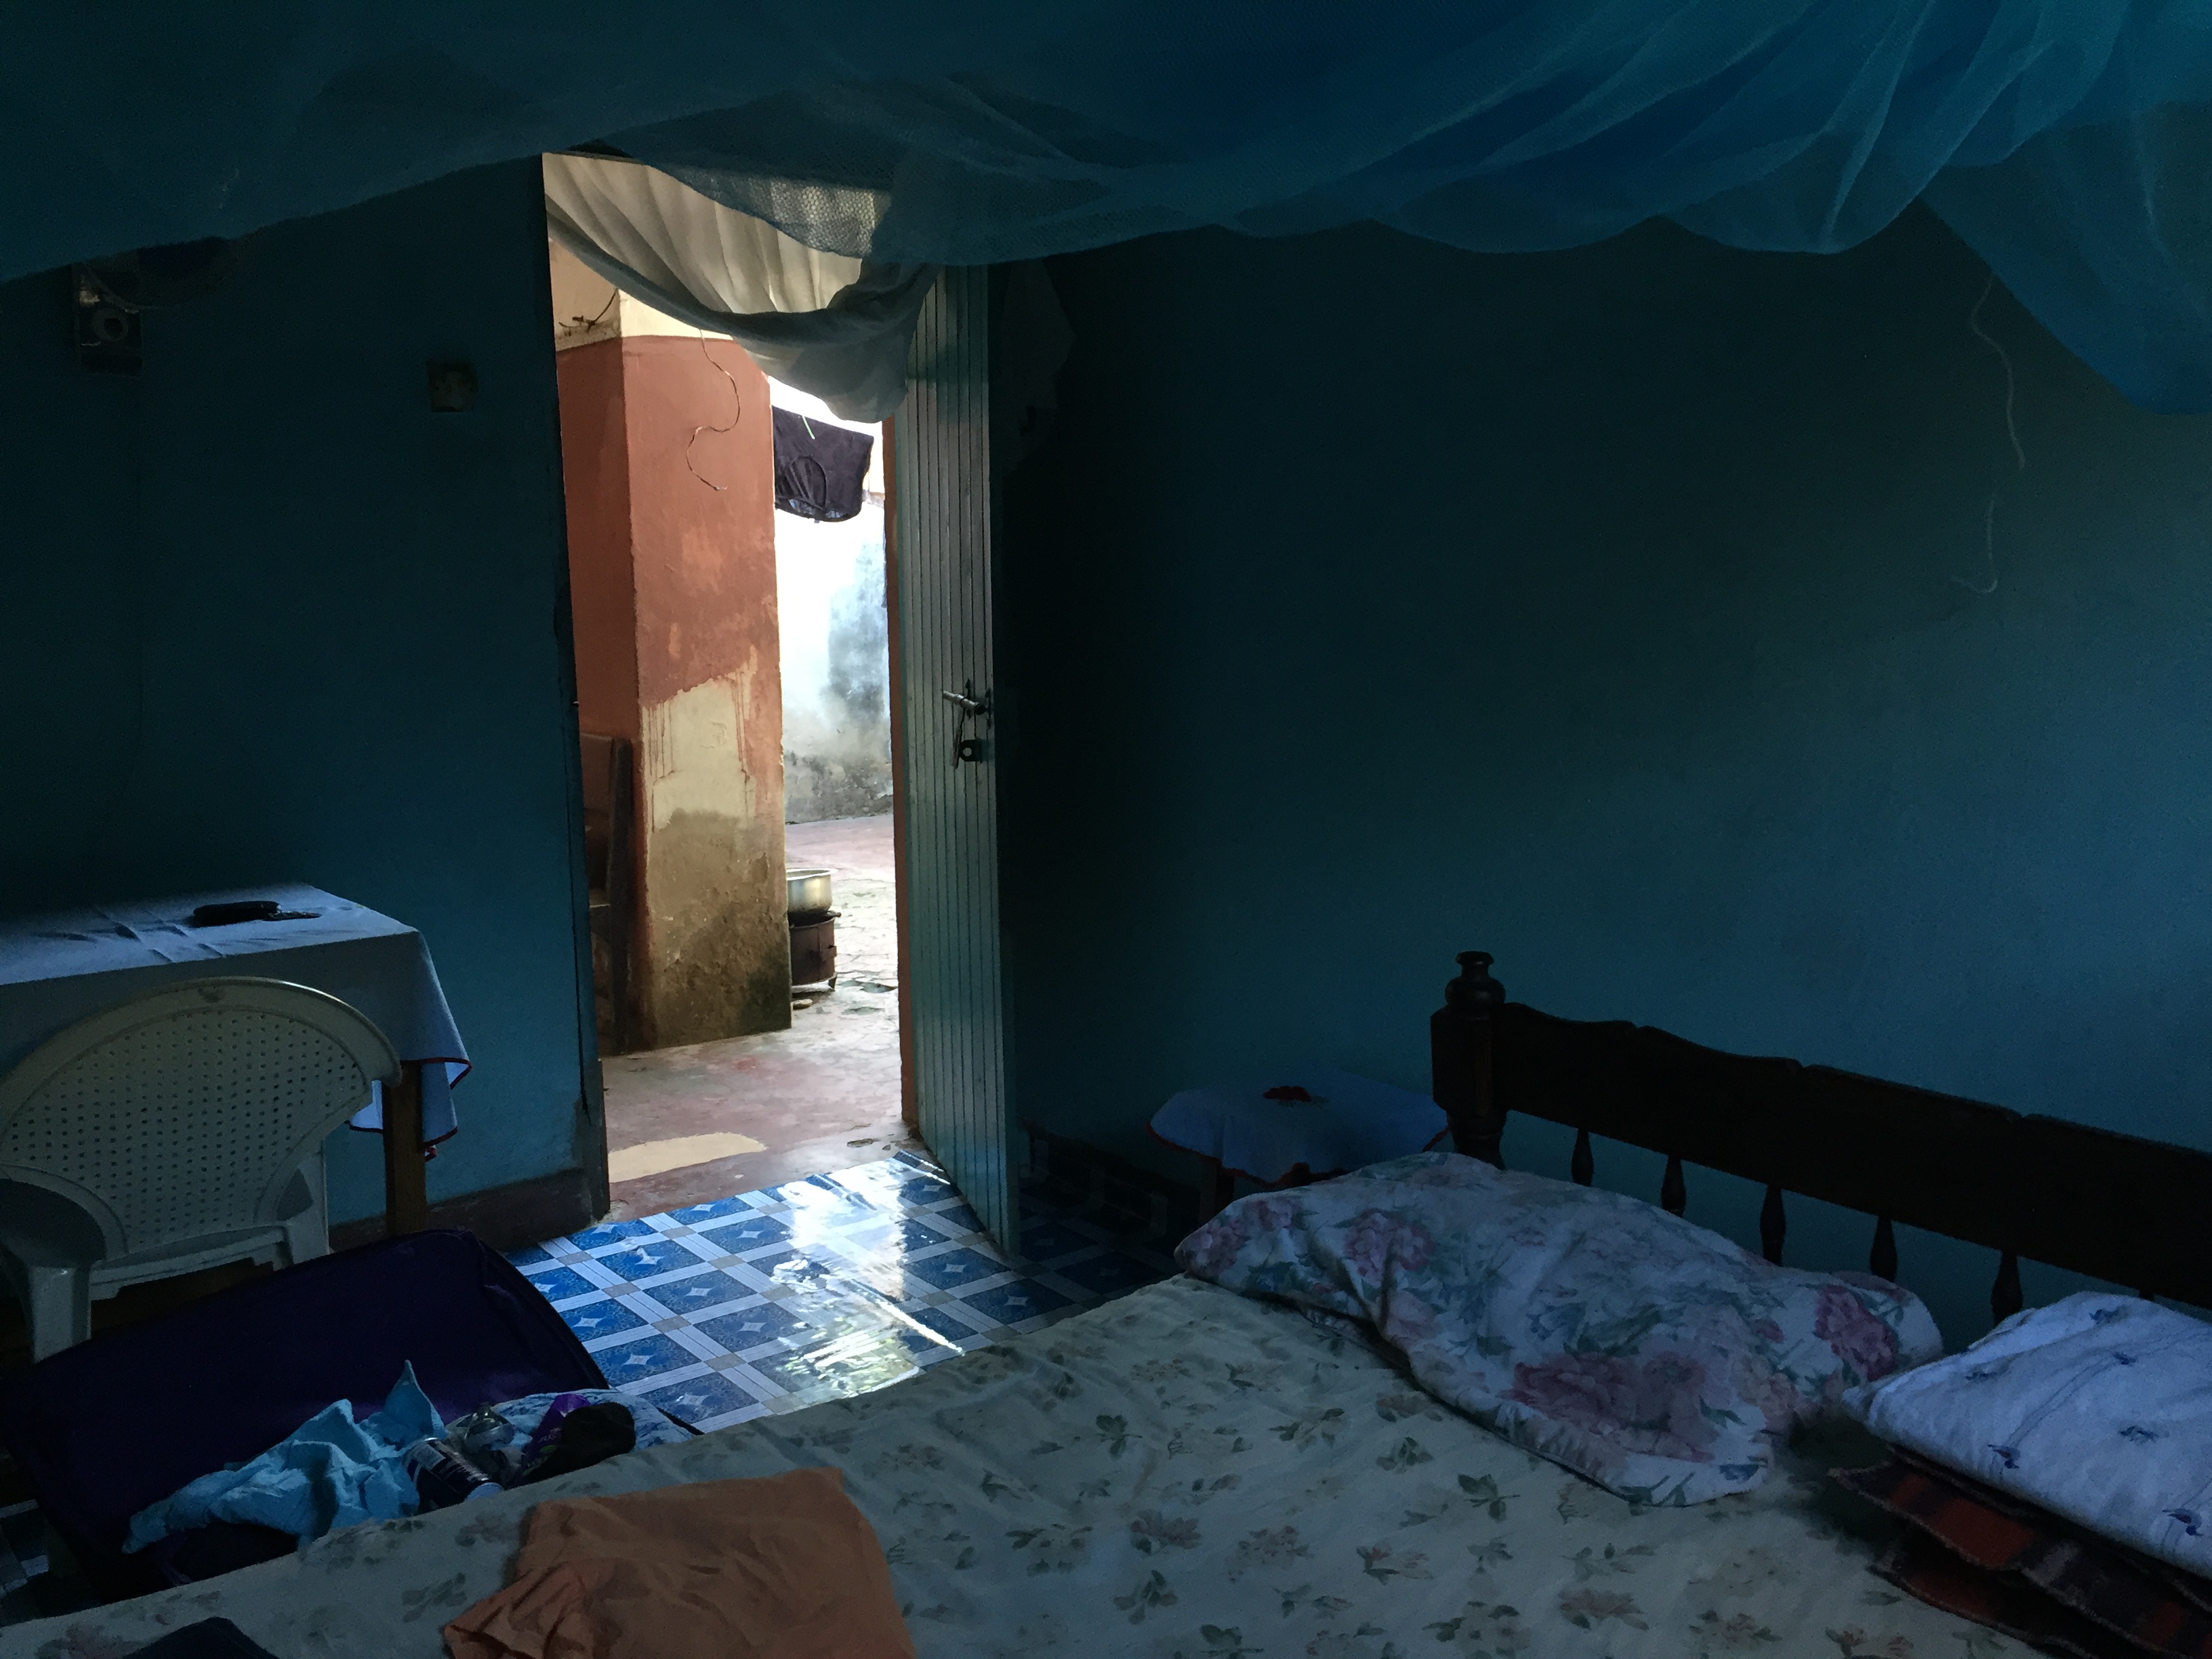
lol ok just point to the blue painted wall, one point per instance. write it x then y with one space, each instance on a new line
266 616
1608 611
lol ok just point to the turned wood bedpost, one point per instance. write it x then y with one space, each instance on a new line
1460 1039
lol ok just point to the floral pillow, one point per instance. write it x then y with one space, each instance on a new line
1594 1330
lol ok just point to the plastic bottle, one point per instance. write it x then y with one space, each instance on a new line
443 1477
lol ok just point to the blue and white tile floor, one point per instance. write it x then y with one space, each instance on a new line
818 1289
777 1299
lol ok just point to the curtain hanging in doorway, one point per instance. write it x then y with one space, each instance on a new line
2067 140
830 324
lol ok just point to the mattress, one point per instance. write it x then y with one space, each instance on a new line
1182 1473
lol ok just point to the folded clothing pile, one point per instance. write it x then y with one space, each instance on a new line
782 1567
334 1471
2055 1479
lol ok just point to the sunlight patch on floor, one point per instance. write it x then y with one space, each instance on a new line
652 1158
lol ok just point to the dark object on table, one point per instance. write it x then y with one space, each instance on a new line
211 1639
234 911
2111 1206
610 876
1990 1558
821 468
814 948
240 1371
588 1435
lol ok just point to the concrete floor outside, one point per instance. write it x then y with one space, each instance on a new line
688 1125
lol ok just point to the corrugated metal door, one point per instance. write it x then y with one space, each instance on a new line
942 499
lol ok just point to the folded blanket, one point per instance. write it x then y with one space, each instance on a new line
784 1567
1984 1556
2097 1408
1927 1571
329 1471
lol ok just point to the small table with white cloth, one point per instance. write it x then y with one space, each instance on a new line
64 966
1292 1128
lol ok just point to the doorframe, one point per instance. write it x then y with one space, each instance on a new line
591 1126
909 1099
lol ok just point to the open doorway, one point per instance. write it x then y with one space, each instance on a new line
777 1237
733 701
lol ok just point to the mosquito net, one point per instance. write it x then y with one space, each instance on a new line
2065 140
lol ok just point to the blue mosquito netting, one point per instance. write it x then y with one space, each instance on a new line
2069 141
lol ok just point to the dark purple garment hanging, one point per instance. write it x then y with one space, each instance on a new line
820 468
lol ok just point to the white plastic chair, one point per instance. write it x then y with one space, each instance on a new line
176 1131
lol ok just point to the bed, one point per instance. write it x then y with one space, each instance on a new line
1189 1473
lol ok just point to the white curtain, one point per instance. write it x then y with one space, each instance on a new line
835 326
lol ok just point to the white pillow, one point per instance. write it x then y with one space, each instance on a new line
2098 1407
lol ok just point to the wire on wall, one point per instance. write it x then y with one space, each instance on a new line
2011 433
737 397
579 323
2012 382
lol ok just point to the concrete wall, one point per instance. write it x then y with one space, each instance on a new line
712 762
1608 611
836 647
266 616
669 450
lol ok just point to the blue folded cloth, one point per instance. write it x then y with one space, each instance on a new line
329 1471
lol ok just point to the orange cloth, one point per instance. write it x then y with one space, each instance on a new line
782 1568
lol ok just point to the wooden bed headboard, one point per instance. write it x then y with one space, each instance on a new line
2129 1211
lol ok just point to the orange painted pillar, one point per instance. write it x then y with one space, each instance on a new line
668 449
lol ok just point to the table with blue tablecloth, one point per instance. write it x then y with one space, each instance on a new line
64 966
1292 1126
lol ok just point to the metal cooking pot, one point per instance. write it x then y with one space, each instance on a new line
808 890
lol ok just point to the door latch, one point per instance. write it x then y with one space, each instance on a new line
970 708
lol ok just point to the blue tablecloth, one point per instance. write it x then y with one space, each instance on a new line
1321 1120
60 968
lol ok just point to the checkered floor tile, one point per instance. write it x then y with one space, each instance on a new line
818 1289
29 1589
22 1546
773 1300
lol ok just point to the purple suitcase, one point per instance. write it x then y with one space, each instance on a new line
110 1425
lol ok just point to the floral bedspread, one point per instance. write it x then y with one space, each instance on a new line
1183 1474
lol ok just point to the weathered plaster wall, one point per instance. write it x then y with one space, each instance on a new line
670 461
1623 612
264 614
711 765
